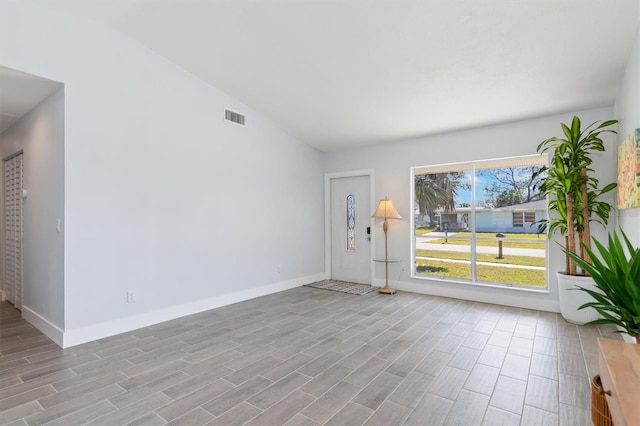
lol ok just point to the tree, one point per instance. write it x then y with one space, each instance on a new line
576 192
512 185
437 190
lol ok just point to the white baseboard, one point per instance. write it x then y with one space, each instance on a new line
44 325
498 296
121 325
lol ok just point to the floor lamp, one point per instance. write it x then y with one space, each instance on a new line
386 211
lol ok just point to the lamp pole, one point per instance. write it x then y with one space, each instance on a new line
386 211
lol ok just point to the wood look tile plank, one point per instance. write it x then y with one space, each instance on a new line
192 384
537 416
236 395
195 417
301 420
325 381
320 364
79 391
284 410
141 392
449 383
237 416
431 410
516 366
252 370
405 364
287 367
575 391
180 407
544 366
9 390
81 416
412 389
149 419
211 363
278 390
482 379
68 407
542 393
132 412
374 394
434 363
467 408
23 398
509 394
331 402
495 416
309 357
350 414
388 413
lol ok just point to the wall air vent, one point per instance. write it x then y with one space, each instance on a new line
234 117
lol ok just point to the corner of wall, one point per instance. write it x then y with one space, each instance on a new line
45 326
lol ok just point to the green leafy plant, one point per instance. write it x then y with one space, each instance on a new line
574 193
616 274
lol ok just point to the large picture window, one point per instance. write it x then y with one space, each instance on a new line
478 222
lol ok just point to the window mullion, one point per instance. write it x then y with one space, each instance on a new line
472 221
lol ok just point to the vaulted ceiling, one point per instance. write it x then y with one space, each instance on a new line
344 73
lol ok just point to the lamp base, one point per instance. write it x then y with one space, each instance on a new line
387 290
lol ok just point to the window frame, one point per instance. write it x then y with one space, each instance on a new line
542 159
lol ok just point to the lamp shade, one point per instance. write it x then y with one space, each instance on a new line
386 210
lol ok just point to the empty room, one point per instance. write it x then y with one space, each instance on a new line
319 212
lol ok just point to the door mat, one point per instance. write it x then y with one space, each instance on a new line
343 287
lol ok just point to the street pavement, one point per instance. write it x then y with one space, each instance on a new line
423 242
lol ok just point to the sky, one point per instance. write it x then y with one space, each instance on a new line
464 195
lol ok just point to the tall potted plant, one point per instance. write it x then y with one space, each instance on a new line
575 197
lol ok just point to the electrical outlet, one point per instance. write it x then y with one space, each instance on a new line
403 268
131 296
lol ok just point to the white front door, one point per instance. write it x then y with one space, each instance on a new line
350 218
14 229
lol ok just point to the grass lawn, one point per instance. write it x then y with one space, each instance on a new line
483 257
515 276
422 230
534 241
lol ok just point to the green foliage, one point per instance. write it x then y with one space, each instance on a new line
437 190
512 185
574 193
484 273
616 274
423 230
483 257
431 269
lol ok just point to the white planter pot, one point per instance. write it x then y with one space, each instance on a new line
571 300
629 339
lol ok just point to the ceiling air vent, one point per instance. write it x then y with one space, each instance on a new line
234 117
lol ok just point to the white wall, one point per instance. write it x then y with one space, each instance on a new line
392 163
627 110
40 136
161 195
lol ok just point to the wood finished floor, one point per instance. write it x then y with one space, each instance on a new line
310 357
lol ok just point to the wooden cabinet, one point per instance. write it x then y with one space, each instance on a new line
620 375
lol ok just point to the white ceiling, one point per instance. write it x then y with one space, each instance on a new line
342 73
20 93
